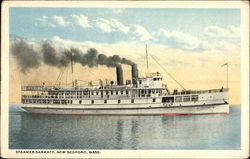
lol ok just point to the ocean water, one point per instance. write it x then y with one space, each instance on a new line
185 132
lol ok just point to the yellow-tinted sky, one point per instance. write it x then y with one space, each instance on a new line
192 69
190 43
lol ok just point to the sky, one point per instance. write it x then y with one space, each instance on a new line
191 43
179 28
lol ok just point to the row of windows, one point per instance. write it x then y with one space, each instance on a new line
87 93
52 96
118 101
186 98
109 92
44 101
156 79
69 93
142 92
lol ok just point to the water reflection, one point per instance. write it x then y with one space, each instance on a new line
119 132
122 132
134 134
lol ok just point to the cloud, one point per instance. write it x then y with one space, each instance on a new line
229 31
180 40
61 21
81 20
44 21
104 25
139 32
112 25
132 32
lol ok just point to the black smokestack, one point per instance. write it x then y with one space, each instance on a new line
134 73
28 56
119 75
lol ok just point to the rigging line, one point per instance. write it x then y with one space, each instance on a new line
92 72
60 75
60 78
142 65
67 74
167 71
147 57
71 59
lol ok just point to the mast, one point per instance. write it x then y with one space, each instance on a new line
226 64
227 75
72 70
147 57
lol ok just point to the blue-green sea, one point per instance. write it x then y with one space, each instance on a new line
185 132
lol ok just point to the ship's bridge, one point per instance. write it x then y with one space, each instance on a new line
152 80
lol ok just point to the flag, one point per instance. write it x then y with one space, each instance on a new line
225 64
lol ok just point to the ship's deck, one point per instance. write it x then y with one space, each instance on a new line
122 87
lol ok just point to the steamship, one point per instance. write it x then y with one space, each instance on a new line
139 96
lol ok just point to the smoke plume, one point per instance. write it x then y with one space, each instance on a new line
25 54
28 56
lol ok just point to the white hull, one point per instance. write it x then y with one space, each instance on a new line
139 110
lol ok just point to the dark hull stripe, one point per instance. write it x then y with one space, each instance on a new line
124 108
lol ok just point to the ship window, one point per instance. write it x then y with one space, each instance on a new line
71 101
126 92
119 101
178 99
116 92
155 79
111 92
105 101
132 100
56 101
107 92
139 82
154 99
186 98
167 99
97 93
194 98
92 93
149 91
80 101
92 101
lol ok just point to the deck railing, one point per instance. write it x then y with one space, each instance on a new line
70 88
201 91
